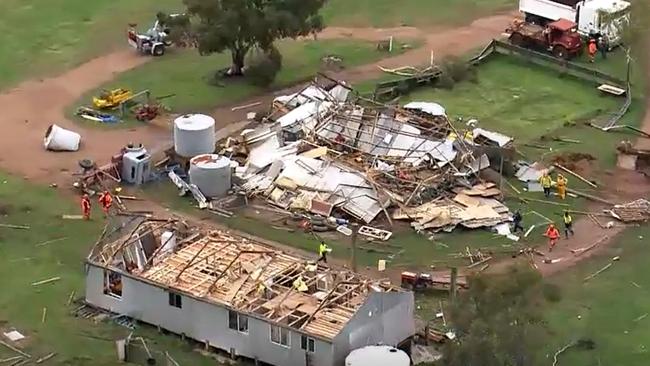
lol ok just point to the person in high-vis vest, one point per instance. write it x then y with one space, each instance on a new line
85 207
568 224
106 200
561 183
546 181
553 235
323 249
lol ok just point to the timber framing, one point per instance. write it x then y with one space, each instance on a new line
241 274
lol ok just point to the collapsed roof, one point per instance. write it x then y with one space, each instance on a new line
241 274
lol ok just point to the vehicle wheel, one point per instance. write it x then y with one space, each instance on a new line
159 50
561 52
517 40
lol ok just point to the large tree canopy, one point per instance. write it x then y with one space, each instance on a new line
498 321
239 25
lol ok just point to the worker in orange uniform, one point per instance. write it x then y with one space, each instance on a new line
85 206
592 48
106 200
553 235
560 184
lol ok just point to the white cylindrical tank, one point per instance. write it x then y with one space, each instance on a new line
60 139
168 241
211 173
194 135
377 356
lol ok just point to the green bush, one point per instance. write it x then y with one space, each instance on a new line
263 66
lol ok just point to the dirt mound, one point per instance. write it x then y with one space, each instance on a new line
575 161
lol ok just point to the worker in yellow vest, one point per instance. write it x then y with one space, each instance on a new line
546 181
300 285
560 184
323 249
568 224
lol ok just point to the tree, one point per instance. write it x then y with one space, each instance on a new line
498 321
240 25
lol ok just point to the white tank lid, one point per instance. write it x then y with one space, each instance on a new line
377 356
194 122
210 161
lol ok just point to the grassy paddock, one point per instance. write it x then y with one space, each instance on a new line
22 262
43 37
424 13
609 308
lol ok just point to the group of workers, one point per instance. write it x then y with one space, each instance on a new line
560 184
552 232
105 200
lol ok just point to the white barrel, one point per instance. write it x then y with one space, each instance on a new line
168 241
194 135
60 139
377 356
211 173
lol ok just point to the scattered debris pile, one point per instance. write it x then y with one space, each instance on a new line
635 211
326 152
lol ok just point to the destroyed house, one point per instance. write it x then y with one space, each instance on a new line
244 297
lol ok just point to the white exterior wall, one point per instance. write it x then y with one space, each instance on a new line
201 321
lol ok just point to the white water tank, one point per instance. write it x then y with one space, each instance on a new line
168 241
194 135
211 173
377 356
60 139
136 164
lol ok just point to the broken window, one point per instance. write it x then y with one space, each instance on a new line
280 335
237 321
175 300
307 343
112 284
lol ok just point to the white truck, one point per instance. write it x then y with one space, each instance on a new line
595 18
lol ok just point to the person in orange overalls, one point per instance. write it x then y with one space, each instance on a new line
553 234
106 200
85 206
592 48
561 183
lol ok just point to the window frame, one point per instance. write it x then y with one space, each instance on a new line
238 321
106 284
172 297
280 330
307 340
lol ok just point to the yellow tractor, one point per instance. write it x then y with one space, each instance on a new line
112 98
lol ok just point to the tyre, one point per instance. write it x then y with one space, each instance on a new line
561 52
518 40
319 228
158 50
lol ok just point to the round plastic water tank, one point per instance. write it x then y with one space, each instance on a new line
211 173
60 139
194 135
377 356
168 241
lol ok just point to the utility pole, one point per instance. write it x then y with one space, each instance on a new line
353 255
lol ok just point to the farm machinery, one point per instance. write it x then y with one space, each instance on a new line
559 38
154 41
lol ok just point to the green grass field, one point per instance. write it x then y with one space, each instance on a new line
189 75
22 261
421 13
611 306
43 37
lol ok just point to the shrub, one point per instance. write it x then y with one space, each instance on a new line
263 66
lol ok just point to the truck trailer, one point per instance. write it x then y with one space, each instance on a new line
595 18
